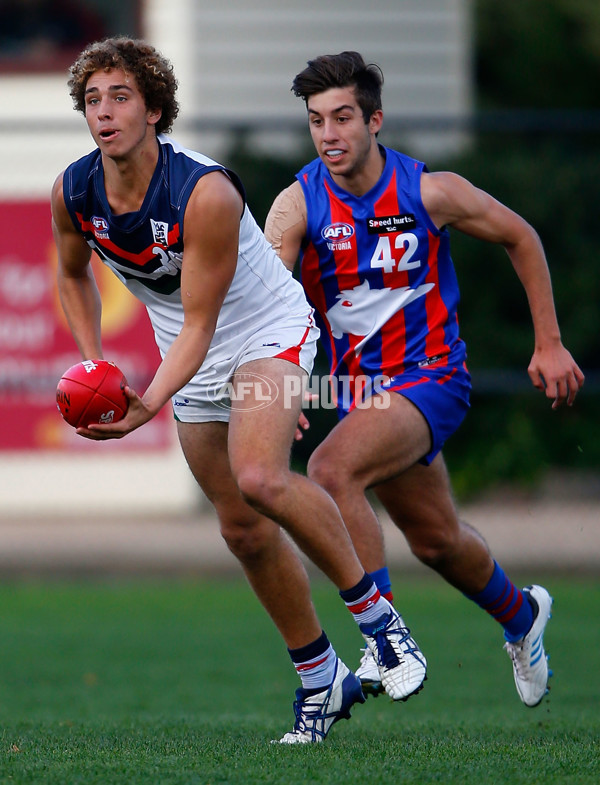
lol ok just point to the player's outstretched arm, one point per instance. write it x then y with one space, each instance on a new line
451 200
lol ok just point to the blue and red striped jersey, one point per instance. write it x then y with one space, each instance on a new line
378 273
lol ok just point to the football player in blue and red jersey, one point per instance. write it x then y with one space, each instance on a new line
370 226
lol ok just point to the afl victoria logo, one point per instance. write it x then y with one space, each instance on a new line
100 227
100 223
337 231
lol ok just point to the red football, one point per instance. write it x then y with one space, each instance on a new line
92 391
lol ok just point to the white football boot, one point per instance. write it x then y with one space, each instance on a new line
402 666
368 673
530 661
315 714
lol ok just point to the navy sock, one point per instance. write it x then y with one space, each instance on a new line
356 592
311 650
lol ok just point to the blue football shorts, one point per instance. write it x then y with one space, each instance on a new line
441 393
440 390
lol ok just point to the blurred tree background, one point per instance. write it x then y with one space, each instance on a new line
534 147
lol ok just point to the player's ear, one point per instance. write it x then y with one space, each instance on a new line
154 116
376 121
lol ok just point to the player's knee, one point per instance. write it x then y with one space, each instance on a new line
246 538
324 471
262 489
433 548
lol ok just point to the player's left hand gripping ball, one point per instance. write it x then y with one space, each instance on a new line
92 392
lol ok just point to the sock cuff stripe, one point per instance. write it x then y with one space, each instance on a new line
304 667
366 603
503 601
511 612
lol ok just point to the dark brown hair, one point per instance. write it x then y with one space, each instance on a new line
152 72
347 69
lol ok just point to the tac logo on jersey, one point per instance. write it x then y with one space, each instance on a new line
160 232
100 227
385 224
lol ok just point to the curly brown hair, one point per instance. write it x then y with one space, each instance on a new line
152 72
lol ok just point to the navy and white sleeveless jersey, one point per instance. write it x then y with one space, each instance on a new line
379 273
145 250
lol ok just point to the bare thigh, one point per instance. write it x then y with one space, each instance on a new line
260 441
204 446
262 435
369 446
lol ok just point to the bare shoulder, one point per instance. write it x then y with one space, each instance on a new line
217 189
286 222
441 188
214 200
293 194
448 197
289 207
57 189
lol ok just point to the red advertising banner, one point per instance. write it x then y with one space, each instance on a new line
36 346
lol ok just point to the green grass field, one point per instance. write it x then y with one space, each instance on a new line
170 683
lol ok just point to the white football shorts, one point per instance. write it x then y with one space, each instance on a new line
209 395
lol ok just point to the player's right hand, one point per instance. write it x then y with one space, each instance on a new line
137 415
